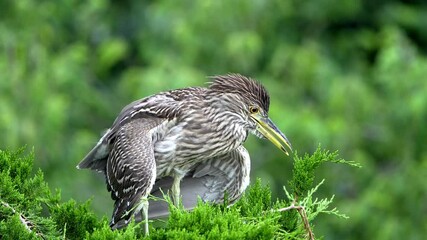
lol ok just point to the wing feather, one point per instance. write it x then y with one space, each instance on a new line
166 105
130 168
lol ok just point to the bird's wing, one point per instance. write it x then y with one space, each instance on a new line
166 105
208 181
130 168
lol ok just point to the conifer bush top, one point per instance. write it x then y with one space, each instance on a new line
29 210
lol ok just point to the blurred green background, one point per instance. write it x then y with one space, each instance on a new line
350 75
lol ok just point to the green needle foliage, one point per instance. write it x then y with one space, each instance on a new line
304 167
22 196
29 210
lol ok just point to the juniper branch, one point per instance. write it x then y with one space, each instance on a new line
303 214
24 220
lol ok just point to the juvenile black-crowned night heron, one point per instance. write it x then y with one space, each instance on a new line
187 140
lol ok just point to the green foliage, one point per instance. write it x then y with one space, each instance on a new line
22 197
105 232
256 200
212 222
304 167
74 220
249 218
254 216
13 228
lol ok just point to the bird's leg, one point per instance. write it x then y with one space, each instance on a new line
144 204
176 190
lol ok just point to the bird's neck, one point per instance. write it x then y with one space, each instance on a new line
226 117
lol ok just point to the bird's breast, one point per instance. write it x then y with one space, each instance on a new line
179 146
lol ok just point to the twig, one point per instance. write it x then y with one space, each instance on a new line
304 217
27 223
303 214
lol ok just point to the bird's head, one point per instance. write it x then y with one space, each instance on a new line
250 100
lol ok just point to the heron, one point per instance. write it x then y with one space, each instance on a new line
187 140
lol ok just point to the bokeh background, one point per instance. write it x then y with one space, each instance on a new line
349 75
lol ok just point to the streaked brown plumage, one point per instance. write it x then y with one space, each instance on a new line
187 140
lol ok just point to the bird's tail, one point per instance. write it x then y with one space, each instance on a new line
96 159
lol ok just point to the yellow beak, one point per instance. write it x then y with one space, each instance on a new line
267 128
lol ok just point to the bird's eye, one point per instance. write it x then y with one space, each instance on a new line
253 110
